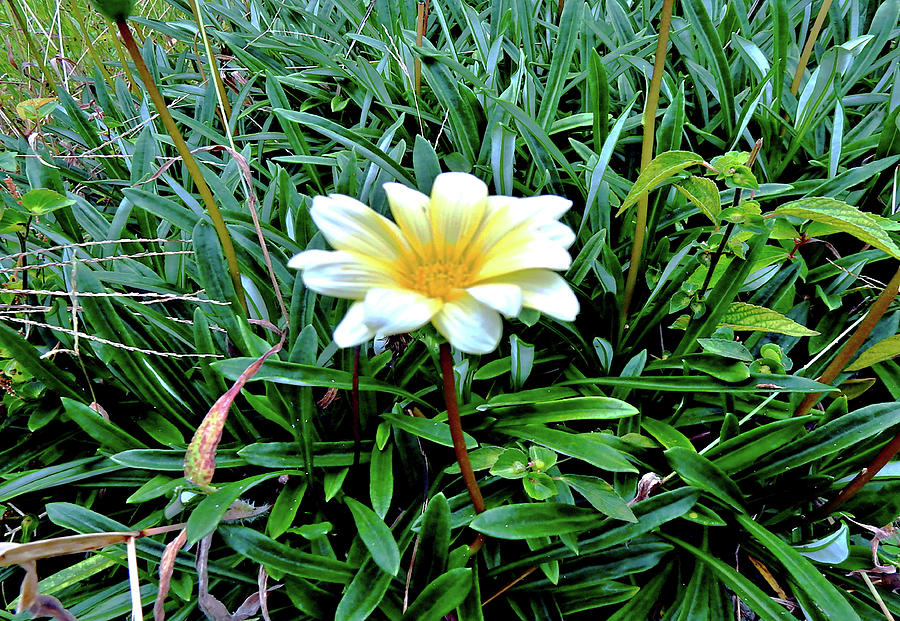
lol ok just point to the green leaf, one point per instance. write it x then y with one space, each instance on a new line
580 408
364 593
601 495
843 217
662 168
206 516
704 194
743 316
666 434
511 464
708 40
701 473
758 601
539 485
589 447
884 349
826 596
441 596
434 542
570 23
349 139
432 430
759 382
726 349
745 450
27 356
381 479
833 437
42 201
103 431
376 536
256 546
538 519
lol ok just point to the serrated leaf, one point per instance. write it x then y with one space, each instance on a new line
743 316
704 194
843 217
879 352
663 167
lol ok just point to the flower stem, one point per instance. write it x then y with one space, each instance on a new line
188 158
876 311
649 121
456 432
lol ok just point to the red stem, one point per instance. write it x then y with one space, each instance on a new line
456 432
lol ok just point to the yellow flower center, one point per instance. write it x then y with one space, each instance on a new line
439 280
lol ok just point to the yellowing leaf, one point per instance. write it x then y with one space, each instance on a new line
704 194
662 168
879 352
843 217
35 109
742 316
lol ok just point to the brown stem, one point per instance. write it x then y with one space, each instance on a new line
187 157
884 456
421 12
649 122
456 432
876 311
810 43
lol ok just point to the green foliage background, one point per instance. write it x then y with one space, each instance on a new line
126 278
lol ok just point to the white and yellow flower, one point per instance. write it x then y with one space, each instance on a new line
458 259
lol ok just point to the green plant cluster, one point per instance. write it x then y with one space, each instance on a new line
677 457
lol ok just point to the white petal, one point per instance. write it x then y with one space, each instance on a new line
558 233
500 296
457 209
352 330
340 274
546 207
521 252
394 311
508 215
410 210
347 224
469 325
544 291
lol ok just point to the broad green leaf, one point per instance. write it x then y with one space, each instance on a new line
833 437
103 431
432 430
662 168
254 545
666 434
364 593
726 349
601 495
589 447
704 194
701 473
826 596
434 542
376 536
42 201
534 519
843 217
580 408
885 349
381 479
58 380
746 449
650 513
743 316
441 596
206 516
759 382
539 486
